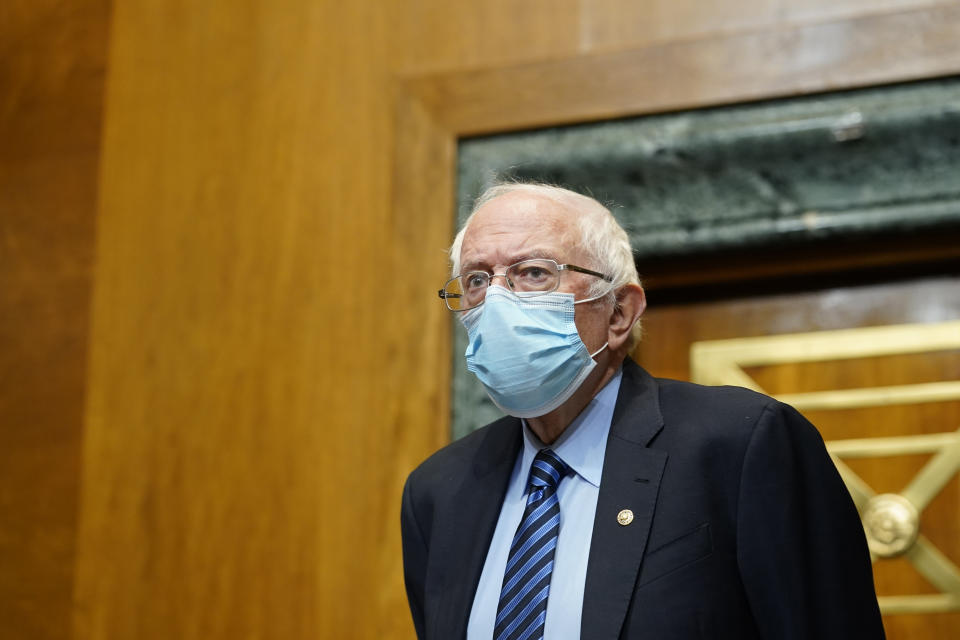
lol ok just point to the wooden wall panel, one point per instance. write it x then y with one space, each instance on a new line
616 25
437 36
419 353
787 60
434 35
52 67
239 478
267 356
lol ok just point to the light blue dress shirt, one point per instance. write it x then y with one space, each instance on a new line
582 446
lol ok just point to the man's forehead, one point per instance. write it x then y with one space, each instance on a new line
516 227
526 205
515 213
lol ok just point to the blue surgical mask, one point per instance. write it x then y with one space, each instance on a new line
526 351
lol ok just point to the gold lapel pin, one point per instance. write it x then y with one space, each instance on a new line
625 517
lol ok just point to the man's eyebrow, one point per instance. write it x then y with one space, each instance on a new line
483 265
532 255
467 267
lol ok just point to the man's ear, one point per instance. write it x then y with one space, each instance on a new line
631 301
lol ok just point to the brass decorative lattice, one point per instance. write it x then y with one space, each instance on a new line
891 521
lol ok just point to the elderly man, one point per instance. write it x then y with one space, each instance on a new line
611 504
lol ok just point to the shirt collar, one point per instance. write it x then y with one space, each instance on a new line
584 443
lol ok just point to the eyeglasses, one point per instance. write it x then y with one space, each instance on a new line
533 277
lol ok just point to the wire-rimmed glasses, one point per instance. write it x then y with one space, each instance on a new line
533 277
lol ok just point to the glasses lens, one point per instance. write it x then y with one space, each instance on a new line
466 291
534 275
453 295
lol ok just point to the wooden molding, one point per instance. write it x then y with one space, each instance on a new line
841 54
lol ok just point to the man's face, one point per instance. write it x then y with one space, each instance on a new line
518 226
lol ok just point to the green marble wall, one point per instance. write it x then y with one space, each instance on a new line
779 173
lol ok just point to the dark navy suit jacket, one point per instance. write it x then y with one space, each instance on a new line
742 527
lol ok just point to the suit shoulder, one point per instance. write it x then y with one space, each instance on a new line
451 462
728 411
678 395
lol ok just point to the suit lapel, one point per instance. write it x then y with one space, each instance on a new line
630 480
473 513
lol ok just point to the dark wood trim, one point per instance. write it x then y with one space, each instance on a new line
805 267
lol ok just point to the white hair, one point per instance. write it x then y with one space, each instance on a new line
597 233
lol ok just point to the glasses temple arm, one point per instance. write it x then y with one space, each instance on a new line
589 272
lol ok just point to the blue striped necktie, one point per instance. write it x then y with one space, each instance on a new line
526 582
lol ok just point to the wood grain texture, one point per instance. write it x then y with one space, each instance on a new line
52 69
237 479
419 356
435 36
613 24
716 69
